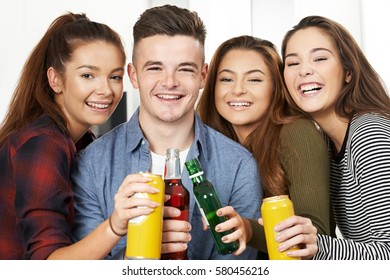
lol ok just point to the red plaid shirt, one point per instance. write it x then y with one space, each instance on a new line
36 199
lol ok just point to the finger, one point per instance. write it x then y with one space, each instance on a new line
260 221
134 178
171 212
301 230
227 225
226 211
172 236
176 225
289 222
173 247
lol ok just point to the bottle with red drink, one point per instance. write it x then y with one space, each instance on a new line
180 197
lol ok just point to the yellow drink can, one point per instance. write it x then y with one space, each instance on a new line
144 233
274 210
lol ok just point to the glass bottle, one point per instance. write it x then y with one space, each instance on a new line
180 197
208 203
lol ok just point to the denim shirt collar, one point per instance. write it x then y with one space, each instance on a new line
199 145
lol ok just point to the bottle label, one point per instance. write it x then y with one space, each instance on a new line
196 175
202 213
139 219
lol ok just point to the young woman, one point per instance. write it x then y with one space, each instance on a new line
329 78
71 80
244 98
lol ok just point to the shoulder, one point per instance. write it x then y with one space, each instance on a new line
223 143
299 132
369 130
116 138
43 132
370 123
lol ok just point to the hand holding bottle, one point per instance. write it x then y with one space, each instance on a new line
176 233
240 226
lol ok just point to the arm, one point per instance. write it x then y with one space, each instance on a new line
305 160
95 239
43 198
369 198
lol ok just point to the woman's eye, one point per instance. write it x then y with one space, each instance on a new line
320 59
87 76
117 77
255 80
226 80
289 64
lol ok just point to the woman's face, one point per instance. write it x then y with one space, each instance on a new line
93 86
313 72
243 89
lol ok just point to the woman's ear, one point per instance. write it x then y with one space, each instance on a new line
54 79
348 76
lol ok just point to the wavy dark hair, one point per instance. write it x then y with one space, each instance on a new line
366 92
33 95
267 132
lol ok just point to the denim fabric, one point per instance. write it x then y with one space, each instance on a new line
103 165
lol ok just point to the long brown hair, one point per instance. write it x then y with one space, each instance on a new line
33 95
365 93
267 132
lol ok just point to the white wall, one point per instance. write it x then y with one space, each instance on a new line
23 23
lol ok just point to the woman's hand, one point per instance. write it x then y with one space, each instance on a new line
130 201
296 231
241 228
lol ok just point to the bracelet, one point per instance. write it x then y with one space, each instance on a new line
112 229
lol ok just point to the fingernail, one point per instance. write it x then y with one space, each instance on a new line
218 228
154 190
281 248
224 238
219 213
277 238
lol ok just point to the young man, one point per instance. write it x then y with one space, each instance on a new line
168 69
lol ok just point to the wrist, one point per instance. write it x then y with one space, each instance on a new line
119 234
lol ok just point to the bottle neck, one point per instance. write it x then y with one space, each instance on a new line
172 168
198 177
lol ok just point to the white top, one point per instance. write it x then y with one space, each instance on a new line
158 162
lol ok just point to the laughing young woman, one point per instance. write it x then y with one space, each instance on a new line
329 78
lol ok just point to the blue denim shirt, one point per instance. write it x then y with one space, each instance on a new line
103 165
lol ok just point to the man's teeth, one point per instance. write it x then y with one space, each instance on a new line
168 96
240 104
97 105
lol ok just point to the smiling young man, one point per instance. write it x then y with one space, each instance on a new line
168 69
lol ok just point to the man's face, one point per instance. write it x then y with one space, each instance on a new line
169 72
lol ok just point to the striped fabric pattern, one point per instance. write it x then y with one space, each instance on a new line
360 193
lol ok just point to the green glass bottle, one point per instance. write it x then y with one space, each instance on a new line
208 203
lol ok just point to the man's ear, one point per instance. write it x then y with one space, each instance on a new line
55 80
204 73
132 75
